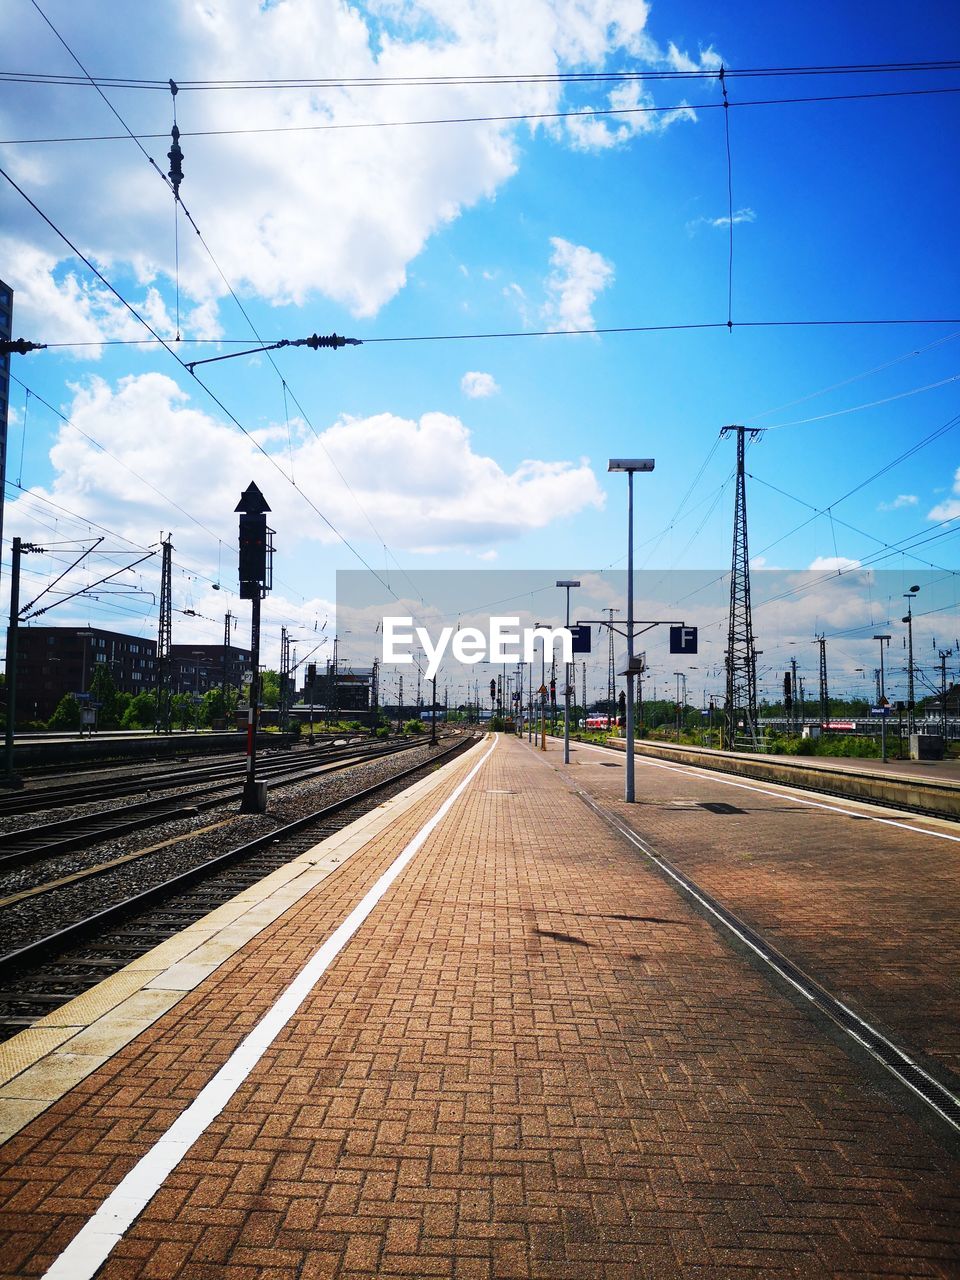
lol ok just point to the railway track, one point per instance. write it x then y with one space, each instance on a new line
40 798
30 845
39 976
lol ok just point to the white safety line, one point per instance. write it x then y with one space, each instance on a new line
91 1247
711 776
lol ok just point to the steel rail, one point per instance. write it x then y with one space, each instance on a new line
41 950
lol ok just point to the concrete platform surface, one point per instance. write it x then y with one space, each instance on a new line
531 1059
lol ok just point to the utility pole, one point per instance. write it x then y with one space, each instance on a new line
227 629
824 693
6 334
882 699
944 655
400 706
165 637
794 692
741 658
911 704
584 683
375 692
17 549
334 687
284 676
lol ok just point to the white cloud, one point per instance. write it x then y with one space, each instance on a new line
422 481
478 385
710 60
64 306
838 563
292 215
950 508
739 216
598 133
901 500
578 276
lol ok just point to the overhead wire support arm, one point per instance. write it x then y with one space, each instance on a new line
19 346
315 341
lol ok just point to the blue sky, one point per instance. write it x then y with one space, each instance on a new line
843 210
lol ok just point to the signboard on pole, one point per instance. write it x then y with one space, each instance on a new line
580 634
683 639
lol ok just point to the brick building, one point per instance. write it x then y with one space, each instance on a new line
199 667
53 661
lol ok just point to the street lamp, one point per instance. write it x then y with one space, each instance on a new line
882 701
568 583
630 465
908 596
680 676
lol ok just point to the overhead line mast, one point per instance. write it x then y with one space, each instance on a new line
741 657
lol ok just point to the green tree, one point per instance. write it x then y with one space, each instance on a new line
217 707
67 714
141 712
183 710
104 690
269 688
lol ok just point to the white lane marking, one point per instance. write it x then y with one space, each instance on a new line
711 776
91 1247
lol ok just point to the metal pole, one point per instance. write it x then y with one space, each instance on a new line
677 674
12 656
629 789
249 803
911 708
566 696
433 713
883 708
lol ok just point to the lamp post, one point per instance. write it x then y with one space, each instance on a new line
882 700
567 583
908 596
630 465
680 676
543 695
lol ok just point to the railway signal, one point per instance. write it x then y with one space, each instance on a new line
256 579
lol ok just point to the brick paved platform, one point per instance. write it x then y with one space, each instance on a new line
532 1060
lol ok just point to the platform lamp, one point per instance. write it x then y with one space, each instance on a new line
630 465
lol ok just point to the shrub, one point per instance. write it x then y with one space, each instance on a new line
67 714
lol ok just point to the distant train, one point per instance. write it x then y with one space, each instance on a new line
602 722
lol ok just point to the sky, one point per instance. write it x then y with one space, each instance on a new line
432 446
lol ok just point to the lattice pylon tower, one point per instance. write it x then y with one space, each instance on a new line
165 636
824 691
741 658
284 675
611 669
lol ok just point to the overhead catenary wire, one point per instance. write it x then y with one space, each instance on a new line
726 133
535 77
173 182
515 117
119 461
857 377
